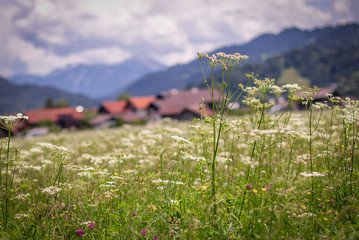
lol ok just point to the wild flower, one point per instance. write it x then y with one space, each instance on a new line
9 122
180 139
350 112
116 177
277 90
22 196
80 232
186 156
302 159
91 225
320 106
313 174
167 181
143 232
249 186
107 186
52 190
20 215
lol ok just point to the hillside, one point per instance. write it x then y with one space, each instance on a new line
315 65
16 98
95 81
268 48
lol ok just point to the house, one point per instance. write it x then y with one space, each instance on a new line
141 105
114 107
183 105
63 117
111 113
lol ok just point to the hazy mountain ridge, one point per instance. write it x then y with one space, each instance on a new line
259 49
95 81
17 98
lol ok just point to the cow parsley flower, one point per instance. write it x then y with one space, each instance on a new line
313 174
9 122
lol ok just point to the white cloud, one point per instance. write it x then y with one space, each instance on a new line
41 35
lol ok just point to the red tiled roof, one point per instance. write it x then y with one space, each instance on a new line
115 107
175 102
142 102
53 114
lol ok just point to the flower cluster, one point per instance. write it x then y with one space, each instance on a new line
8 122
222 59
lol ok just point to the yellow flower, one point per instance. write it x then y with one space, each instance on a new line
264 189
204 187
304 207
255 191
325 219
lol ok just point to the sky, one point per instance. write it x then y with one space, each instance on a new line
39 36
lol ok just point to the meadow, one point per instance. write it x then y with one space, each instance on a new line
281 175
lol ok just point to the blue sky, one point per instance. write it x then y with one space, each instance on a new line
39 36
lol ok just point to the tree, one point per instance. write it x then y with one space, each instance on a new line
124 96
49 103
62 103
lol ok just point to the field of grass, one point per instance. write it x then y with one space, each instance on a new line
261 176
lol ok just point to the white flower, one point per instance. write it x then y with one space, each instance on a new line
20 215
8 122
313 174
52 190
180 139
116 177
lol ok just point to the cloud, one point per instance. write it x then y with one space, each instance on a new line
41 35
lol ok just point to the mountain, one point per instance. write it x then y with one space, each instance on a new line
265 47
94 81
17 98
311 65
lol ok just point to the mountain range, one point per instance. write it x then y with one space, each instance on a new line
16 98
321 56
95 81
264 53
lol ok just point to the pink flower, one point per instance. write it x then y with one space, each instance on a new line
249 186
91 225
143 232
80 232
112 211
134 214
156 238
332 201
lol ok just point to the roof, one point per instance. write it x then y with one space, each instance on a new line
52 114
115 107
324 91
175 102
142 102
